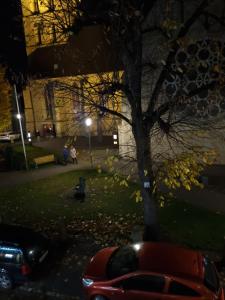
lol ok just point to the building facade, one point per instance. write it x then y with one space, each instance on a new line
7 106
61 74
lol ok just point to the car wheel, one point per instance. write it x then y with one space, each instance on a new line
99 297
5 281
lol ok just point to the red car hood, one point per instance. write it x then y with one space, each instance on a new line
98 263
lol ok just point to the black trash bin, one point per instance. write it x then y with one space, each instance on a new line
80 190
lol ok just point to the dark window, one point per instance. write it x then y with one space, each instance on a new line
211 279
124 260
103 103
75 98
177 288
49 99
147 283
78 101
10 255
54 38
51 5
36 7
39 33
81 100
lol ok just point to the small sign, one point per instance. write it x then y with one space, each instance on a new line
147 184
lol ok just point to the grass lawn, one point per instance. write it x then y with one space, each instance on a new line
108 213
32 151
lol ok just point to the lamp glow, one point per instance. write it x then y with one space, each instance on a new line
137 246
88 122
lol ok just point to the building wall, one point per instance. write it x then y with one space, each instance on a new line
39 31
58 112
5 103
210 106
68 114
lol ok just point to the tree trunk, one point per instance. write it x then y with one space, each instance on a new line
145 171
133 69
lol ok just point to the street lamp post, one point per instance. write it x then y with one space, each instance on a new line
20 124
88 123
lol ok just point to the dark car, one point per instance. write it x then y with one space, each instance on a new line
21 251
151 271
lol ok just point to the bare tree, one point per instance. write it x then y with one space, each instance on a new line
148 39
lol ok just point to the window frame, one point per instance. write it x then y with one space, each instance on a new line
212 286
160 291
54 35
40 32
184 285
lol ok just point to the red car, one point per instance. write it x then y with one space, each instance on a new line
151 271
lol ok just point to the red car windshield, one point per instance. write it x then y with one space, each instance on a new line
123 260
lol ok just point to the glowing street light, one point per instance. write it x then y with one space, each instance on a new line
88 123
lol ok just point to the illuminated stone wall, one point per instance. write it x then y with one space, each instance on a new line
38 32
5 103
63 110
43 108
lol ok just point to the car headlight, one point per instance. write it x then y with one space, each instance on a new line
87 281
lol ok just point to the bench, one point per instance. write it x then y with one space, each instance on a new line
44 159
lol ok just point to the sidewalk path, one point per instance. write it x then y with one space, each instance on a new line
18 177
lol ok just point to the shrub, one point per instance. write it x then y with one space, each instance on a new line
14 160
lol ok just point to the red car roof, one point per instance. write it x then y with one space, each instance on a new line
170 259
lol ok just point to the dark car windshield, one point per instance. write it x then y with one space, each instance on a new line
211 279
124 260
33 254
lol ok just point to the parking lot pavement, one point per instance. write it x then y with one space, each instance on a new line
63 279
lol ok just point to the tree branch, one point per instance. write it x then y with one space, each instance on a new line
165 107
152 29
221 21
112 112
147 7
183 31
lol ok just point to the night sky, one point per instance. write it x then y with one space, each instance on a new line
12 48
